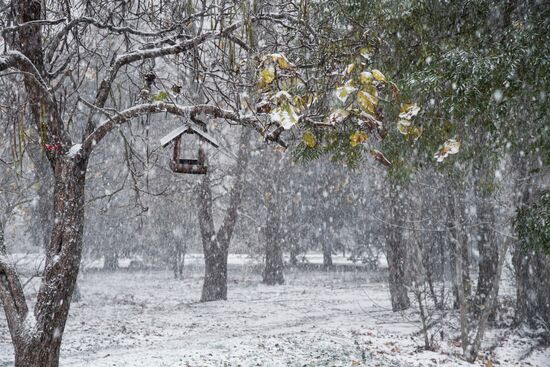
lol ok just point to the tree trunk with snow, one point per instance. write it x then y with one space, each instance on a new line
42 210
214 287
216 244
37 336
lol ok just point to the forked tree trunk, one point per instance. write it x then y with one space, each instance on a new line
37 337
216 244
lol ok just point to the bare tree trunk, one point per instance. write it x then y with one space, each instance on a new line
273 271
293 255
37 337
180 250
488 251
216 245
327 251
110 262
3 249
532 270
42 211
396 255
215 273
459 247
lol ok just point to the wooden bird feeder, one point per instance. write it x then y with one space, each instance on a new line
191 166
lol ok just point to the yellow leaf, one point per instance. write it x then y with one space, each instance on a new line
365 77
364 52
377 74
349 69
357 138
337 116
285 115
309 139
367 102
267 76
282 61
343 92
408 111
403 128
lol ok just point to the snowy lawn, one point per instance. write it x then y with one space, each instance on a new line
316 319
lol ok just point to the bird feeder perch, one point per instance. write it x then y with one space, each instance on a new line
190 166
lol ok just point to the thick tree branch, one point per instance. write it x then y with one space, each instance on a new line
18 27
12 296
124 116
16 60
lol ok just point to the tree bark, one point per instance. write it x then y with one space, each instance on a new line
3 249
180 250
216 244
459 252
42 211
274 266
327 249
110 262
215 272
293 255
396 255
532 286
488 251
37 337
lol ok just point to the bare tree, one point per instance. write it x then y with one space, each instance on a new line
54 74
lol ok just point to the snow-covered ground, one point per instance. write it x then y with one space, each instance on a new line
147 318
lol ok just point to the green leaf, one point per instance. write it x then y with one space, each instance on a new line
160 96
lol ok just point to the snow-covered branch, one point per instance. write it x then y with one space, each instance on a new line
212 111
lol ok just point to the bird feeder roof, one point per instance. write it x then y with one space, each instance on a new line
188 127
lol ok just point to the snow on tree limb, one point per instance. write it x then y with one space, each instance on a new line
213 111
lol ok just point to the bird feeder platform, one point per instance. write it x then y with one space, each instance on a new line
190 166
